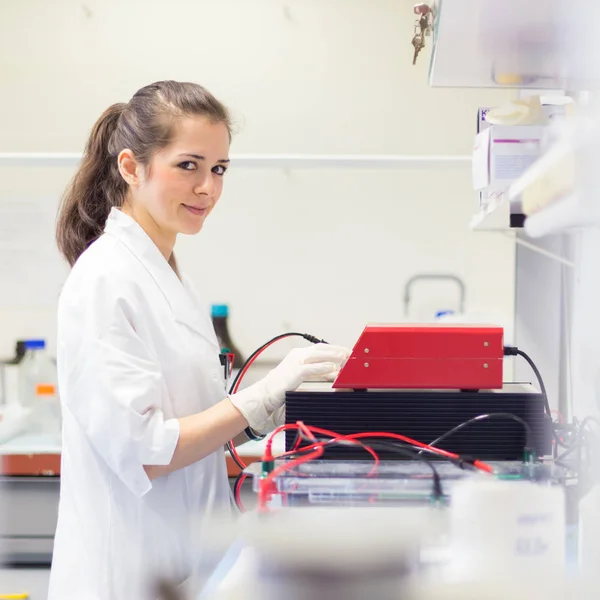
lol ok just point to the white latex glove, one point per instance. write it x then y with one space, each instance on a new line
259 402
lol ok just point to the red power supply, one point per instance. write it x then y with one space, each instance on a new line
436 356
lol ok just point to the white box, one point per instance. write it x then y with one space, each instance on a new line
501 154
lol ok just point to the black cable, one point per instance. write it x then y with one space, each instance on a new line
529 443
229 446
328 442
306 336
514 351
249 433
403 450
236 492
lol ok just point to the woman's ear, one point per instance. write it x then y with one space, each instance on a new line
128 167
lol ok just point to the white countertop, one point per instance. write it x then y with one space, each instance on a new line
31 443
39 443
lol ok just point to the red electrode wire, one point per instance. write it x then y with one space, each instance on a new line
478 464
266 484
238 489
235 389
316 451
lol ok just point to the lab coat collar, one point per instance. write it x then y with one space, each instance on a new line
185 310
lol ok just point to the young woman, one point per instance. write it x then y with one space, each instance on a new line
145 412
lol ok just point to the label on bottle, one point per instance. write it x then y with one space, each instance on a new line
45 389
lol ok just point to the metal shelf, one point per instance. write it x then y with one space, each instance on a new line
268 161
496 217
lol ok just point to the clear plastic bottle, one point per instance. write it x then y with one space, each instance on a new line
37 387
47 417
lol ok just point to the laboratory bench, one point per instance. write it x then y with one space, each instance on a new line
30 487
37 455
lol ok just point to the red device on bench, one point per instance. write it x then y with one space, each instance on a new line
425 356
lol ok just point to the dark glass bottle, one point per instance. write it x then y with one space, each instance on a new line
220 315
19 354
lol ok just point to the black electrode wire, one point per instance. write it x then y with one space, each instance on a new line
514 351
404 451
233 456
528 431
306 336
237 490
539 378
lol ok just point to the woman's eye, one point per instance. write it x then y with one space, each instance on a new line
187 165
219 170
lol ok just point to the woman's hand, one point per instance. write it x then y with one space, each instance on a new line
259 402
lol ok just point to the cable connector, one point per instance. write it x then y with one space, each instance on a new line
511 351
529 455
465 462
266 467
468 462
268 460
313 339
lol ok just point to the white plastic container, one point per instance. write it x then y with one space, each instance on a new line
507 528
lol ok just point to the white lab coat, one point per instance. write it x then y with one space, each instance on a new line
136 351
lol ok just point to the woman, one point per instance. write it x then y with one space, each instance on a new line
145 412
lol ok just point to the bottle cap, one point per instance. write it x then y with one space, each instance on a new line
443 313
35 344
220 310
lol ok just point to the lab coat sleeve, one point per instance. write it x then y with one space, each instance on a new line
114 389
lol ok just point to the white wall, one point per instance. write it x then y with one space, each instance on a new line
543 324
585 342
321 251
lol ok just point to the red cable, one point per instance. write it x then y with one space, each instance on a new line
237 491
324 444
235 389
317 451
266 484
482 466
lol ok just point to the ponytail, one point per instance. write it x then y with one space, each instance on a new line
94 190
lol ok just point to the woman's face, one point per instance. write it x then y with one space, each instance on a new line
183 182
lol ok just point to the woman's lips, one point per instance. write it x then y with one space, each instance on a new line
196 210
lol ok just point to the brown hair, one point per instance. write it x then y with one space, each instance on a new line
145 126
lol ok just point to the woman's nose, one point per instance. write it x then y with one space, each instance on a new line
204 185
